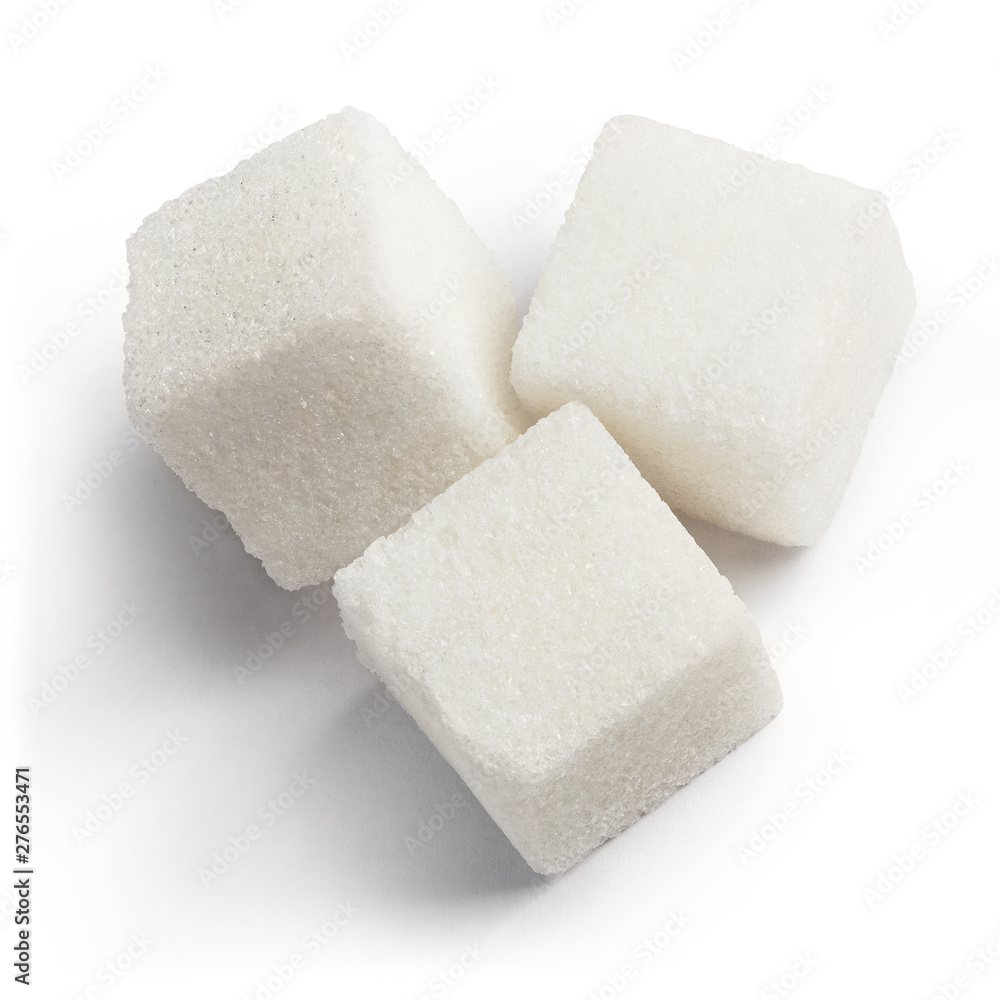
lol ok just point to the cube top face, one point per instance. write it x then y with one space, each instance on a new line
332 224
538 602
731 320
242 260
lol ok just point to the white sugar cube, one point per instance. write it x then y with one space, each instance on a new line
731 320
561 639
319 344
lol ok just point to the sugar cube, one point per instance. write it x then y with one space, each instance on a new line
318 344
731 320
561 638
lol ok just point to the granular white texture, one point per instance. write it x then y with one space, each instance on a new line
731 320
561 639
318 344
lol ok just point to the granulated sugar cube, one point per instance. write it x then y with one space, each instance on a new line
319 344
731 320
561 639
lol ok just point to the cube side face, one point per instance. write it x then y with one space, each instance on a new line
532 612
685 727
315 449
448 290
734 340
275 359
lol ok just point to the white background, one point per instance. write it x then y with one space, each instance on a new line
375 778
